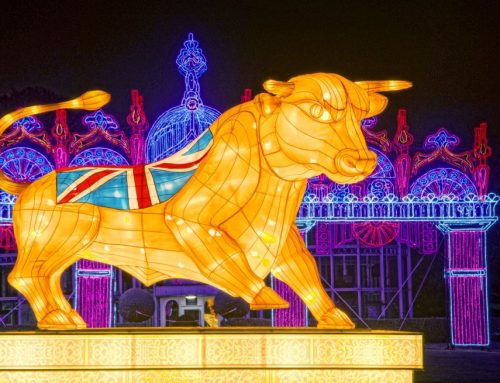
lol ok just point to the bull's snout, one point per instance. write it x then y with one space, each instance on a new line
352 163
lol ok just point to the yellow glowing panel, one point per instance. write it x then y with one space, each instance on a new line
210 376
231 224
268 355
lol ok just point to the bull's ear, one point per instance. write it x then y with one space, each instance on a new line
279 88
377 104
266 104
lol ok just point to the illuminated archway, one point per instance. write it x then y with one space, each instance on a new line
24 164
97 157
443 182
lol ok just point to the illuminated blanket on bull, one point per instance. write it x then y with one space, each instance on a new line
132 187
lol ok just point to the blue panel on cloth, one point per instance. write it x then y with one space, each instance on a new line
168 183
201 144
113 194
65 179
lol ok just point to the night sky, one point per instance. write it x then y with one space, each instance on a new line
450 50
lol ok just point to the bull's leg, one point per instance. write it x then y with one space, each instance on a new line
297 268
48 241
221 261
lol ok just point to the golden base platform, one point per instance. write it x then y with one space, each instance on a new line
188 355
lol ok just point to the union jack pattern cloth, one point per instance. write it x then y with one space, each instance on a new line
132 187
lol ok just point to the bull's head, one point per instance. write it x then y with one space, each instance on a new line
311 125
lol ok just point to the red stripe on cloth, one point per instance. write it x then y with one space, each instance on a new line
141 187
86 184
171 165
166 165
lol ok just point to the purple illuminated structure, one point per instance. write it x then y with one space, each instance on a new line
296 314
467 287
94 293
61 135
481 152
137 120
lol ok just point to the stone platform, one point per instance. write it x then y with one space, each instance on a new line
208 355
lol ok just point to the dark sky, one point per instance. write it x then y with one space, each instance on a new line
450 50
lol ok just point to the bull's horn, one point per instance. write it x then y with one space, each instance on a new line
384 86
279 88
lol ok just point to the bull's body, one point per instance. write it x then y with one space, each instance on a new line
230 225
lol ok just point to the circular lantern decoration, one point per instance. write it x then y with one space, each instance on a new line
375 234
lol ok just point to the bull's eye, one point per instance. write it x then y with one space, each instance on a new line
317 111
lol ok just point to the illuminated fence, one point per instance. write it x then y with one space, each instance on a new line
463 220
443 210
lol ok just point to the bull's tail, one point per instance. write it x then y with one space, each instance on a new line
91 100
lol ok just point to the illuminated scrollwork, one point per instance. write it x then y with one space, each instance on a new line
442 144
30 128
443 182
100 126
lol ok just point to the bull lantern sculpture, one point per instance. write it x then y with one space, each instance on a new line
221 211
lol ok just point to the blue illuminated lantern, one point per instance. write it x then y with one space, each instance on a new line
178 126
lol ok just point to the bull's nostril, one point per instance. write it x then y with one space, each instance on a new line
349 161
346 162
353 163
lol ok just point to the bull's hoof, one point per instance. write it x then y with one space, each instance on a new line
336 319
61 320
266 299
77 319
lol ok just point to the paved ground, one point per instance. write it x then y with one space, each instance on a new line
459 365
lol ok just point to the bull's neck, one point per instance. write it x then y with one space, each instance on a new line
286 196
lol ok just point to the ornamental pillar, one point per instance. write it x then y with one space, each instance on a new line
61 135
466 276
137 120
94 293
